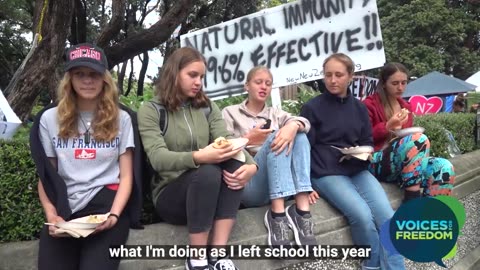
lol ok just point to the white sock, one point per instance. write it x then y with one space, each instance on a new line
198 262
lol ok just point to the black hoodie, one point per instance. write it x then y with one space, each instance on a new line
341 122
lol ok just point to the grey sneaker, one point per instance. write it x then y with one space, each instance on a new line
277 230
302 227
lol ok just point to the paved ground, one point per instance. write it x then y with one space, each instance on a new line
468 241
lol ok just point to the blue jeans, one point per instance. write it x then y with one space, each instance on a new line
363 201
279 176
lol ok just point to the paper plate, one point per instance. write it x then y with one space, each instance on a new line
253 148
408 131
82 223
356 150
238 143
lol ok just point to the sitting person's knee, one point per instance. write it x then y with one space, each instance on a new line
209 174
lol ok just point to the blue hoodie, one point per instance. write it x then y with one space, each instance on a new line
341 122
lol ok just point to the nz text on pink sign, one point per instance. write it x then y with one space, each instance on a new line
423 105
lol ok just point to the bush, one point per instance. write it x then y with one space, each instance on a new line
21 215
222 103
305 94
461 125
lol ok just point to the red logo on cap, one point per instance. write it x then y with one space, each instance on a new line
85 52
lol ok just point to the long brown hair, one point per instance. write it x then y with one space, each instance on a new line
388 70
168 90
105 121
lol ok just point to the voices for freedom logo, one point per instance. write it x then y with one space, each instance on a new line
424 229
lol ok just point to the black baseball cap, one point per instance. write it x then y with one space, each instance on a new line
86 55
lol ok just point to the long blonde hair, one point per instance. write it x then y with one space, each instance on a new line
254 71
105 121
388 70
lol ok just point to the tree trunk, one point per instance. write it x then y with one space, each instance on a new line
121 77
130 78
143 71
115 24
79 23
37 74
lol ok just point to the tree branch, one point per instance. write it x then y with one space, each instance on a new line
115 24
152 9
150 38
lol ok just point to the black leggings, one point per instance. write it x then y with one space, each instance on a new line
85 253
200 196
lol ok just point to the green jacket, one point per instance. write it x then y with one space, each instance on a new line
188 130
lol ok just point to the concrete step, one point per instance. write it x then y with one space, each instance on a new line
470 262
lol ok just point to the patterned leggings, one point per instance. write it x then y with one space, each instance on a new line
406 161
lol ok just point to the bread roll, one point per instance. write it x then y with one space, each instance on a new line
221 142
404 112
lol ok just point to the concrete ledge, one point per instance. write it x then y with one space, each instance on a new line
330 229
470 262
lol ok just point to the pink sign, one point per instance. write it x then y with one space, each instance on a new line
422 105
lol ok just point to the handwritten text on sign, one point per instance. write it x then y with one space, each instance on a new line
291 39
363 86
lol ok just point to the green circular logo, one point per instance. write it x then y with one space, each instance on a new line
425 229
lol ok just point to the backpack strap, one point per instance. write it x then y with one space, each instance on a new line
163 115
207 110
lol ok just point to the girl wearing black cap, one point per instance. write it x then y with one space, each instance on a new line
89 142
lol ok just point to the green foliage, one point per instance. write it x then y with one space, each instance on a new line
459 124
272 3
294 106
473 98
133 101
21 215
222 103
441 38
15 23
23 132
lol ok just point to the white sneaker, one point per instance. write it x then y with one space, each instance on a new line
224 264
189 266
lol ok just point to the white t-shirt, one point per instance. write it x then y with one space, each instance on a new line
85 168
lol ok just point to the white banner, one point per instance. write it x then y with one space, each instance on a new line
9 121
292 40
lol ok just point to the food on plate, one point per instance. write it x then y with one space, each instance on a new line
404 112
221 142
95 219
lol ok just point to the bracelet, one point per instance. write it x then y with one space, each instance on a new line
114 215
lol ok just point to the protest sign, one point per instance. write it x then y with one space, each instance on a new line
292 40
9 121
363 86
425 105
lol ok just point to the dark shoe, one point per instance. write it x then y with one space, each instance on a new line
302 226
223 264
189 266
277 230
